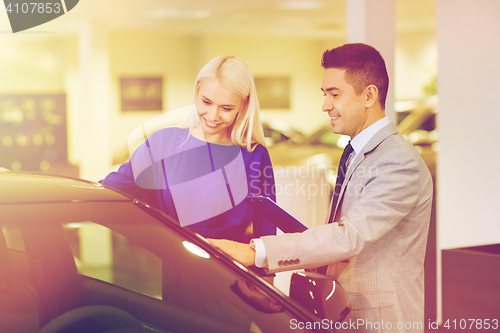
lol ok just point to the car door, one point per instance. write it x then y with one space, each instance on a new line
127 256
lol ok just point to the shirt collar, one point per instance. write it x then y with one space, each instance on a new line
360 140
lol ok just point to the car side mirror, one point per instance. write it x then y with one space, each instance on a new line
321 295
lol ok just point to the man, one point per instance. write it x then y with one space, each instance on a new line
375 243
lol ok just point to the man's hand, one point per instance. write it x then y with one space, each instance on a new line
238 251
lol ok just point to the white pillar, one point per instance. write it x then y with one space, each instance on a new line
89 88
373 22
95 101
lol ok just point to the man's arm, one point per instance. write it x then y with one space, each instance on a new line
386 199
239 251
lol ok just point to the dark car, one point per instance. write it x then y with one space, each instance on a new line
277 131
76 256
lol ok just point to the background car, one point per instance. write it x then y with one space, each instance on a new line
76 256
277 131
323 148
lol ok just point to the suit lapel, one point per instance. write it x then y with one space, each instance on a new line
373 143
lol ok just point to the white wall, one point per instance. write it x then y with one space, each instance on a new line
149 54
31 65
469 116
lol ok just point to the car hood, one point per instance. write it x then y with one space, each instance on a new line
33 187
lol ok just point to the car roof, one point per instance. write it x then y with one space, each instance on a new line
33 188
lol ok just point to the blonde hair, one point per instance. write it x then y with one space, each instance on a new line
234 75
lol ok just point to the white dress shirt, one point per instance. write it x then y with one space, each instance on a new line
360 140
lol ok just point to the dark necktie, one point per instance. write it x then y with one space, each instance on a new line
336 191
340 179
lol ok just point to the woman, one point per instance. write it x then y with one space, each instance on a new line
180 169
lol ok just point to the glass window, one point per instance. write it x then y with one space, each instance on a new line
13 238
106 255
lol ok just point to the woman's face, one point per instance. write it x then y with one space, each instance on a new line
217 108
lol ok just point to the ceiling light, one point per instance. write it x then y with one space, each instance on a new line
299 5
178 14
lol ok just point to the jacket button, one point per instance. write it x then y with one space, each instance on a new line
280 263
296 261
286 263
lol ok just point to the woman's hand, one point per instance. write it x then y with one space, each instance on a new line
238 251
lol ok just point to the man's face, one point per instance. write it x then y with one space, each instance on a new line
347 110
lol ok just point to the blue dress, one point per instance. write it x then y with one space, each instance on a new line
232 223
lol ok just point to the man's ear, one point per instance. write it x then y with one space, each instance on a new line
371 95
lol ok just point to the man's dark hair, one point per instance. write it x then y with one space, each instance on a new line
364 66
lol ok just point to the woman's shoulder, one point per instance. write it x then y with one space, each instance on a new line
259 153
258 150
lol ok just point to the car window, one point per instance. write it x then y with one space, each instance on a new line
104 254
13 238
429 124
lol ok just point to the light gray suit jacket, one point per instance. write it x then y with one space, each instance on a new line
382 232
